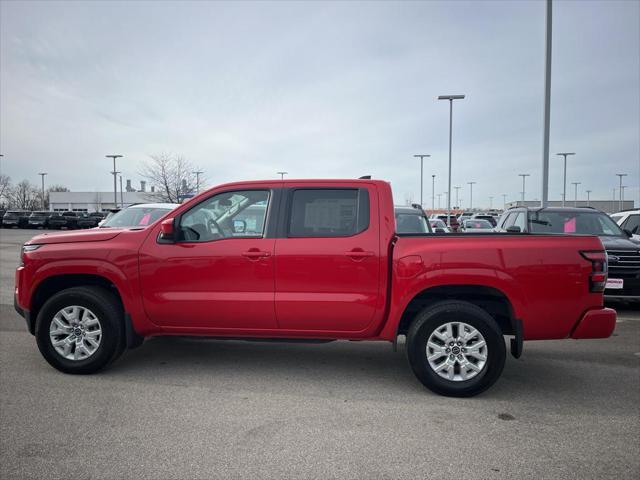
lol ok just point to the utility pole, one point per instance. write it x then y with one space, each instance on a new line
575 198
524 177
457 203
588 198
547 106
114 173
421 157
121 194
43 175
451 98
564 182
197 174
282 174
620 175
471 184
433 192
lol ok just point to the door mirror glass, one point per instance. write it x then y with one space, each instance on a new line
166 230
239 226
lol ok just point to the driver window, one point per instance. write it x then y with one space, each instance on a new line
239 214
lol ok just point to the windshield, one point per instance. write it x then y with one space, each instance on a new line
411 223
592 223
135 217
478 223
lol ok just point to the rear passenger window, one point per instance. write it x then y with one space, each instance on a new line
328 212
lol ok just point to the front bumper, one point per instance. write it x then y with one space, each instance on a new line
24 314
596 324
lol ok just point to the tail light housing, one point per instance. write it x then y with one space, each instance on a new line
599 269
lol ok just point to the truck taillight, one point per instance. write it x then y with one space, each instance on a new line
598 277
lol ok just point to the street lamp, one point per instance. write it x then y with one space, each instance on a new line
421 157
115 187
197 174
621 175
457 203
575 198
504 201
471 184
121 194
451 98
282 174
564 190
43 175
524 177
439 195
588 198
433 192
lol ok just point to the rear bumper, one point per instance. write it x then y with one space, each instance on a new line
596 324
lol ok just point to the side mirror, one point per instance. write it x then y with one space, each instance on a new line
628 233
514 229
167 230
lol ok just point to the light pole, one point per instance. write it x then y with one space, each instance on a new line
282 174
564 190
524 177
490 203
115 188
121 194
42 175
471 184
197 174
620 175
504 201
421 157
433 192
588 198
575 198
547 106
622 196
451 98
439 195
457 203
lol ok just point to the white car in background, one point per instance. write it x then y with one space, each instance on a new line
438 226
138 215
629 220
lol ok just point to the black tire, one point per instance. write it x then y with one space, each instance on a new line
109 312
428 320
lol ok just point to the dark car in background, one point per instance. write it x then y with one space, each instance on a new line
90 220
39 219
623 254
60 220
15 218
411 220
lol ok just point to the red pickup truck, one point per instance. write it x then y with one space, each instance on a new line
314 260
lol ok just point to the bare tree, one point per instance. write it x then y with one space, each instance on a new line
5 188
172 176
24 196
58 188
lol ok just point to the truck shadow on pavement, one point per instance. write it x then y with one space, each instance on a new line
367 369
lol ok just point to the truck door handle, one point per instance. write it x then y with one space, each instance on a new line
358 254
254 254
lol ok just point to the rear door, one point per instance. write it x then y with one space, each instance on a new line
328 259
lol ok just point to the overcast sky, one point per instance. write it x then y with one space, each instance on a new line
323 89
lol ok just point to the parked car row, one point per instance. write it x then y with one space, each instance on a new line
51 220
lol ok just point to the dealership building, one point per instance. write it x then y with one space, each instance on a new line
100 201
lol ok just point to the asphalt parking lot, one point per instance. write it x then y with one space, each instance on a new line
189 408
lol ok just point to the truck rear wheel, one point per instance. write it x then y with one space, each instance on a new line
456 349
80 330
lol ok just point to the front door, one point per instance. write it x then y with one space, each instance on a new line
220 271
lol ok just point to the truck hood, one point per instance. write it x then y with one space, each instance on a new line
76 236
619 243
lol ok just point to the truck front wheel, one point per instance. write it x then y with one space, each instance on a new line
456 349
80 330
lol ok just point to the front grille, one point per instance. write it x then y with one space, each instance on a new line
627 264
